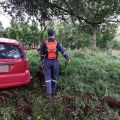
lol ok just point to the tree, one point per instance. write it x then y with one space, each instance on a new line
27 34
89 13
1 30
106 35
71 36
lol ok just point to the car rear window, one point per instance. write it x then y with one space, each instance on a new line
9 51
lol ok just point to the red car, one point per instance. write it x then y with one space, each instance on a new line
14 67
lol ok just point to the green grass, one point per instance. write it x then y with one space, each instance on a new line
90 77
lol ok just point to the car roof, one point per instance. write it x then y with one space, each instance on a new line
7 40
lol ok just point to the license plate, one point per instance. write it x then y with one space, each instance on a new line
4 68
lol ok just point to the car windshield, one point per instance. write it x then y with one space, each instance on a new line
8 51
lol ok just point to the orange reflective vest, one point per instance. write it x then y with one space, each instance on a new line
51 48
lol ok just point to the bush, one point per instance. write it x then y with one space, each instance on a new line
114 44
34 61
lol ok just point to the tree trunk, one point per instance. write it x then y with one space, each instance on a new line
92 44
42 33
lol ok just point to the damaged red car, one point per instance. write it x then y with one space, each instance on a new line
14 67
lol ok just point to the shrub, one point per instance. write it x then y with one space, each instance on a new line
114 44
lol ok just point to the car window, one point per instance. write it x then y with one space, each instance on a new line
8 51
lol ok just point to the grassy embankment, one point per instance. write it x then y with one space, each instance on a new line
83 90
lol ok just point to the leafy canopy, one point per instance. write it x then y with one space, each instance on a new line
93 12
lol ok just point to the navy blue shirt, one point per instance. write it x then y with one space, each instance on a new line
43 49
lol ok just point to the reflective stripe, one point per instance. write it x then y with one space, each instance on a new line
64 53
42 55
48 81
54 81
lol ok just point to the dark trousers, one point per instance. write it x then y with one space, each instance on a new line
51 68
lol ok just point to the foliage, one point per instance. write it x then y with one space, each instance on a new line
106 35
34 61
1 30
23 32
114 44
72 36
90 14
69 34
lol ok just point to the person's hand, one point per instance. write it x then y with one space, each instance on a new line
42 66
69 61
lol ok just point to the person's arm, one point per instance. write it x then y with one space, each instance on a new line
63 52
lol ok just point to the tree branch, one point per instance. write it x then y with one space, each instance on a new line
72 13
